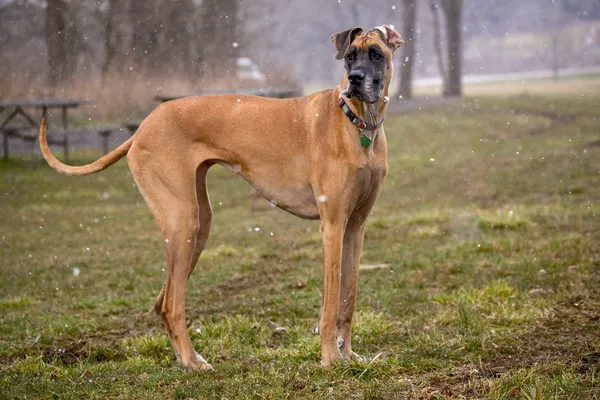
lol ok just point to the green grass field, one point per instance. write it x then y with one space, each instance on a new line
489 223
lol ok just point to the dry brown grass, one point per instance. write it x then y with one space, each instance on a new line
128 95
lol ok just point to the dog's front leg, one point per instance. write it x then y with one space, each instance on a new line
332 233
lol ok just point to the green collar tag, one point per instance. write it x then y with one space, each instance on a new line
365 140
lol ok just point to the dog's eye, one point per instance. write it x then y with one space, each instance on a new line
375 56
351 57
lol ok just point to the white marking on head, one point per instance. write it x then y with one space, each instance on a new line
381 28
390 36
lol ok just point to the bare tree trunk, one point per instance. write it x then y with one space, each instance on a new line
408 52
73 42
555 54
219 33
56 28
453 11
146 29
208 35
437 42
116 38
177 44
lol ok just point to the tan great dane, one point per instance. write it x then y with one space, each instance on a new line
321 156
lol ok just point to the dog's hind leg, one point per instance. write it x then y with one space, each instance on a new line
204 213
174 204
204 223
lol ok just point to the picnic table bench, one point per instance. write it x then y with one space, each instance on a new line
106 132
18 108
28 129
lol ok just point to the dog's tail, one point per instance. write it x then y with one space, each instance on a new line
98 165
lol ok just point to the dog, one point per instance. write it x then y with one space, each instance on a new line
332 169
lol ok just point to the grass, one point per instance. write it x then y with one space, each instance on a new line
489 223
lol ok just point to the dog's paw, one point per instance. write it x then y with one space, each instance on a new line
348 355
327 363
329 359
197 364
352 356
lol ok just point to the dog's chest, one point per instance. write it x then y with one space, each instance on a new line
369 176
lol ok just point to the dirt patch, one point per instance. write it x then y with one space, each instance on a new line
588 362
570 336
66 353
592 144
77 351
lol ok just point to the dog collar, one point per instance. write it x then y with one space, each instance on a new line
362 125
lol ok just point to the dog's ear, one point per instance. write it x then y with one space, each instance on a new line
343 40
392 37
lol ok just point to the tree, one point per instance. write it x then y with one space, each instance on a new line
117 37
437 41
147 27
554 20
409 18
178 41
453 12
63 41
219 37
56 30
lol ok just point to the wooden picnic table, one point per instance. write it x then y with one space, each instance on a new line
17 108
279 93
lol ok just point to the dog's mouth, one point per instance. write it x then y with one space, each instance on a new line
353 92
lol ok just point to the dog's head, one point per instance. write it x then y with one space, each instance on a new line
368 59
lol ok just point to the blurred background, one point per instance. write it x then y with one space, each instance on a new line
480 273
123 52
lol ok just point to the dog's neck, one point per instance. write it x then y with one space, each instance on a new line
371 113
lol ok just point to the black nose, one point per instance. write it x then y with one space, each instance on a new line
356 77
